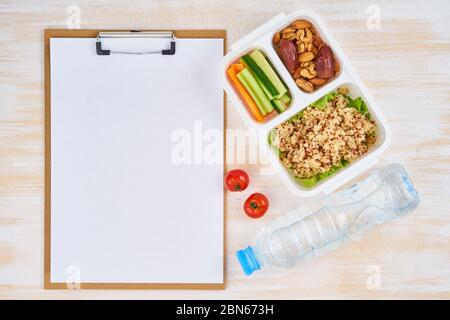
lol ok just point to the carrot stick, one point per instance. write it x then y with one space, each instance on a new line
238 67
243 93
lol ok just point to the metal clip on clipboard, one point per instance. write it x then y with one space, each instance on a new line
136 34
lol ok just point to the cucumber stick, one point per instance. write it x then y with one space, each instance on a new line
261 77
285 99
282 103
256 92
277 105
260 59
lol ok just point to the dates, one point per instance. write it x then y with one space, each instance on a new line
325 63
288 54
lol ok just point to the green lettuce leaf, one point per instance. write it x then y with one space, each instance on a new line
322 102
307 183
270 140
359 105
332 95
297 116
311 182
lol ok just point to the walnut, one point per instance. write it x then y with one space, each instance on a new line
287 30
318 81
308 70
304 85
301 47
306 64
308 36
288 35
306 73
301 34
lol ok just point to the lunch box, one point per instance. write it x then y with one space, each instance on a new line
261 38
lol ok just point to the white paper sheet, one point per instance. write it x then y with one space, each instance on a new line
121 210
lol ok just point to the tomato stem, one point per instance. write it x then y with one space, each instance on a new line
253 204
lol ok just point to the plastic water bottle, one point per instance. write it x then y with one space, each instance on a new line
325 222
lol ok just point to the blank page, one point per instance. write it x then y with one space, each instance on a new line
123 207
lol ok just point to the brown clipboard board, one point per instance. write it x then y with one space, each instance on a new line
63 33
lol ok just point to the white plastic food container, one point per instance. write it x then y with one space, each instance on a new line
261 38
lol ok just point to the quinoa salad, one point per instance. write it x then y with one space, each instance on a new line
325 137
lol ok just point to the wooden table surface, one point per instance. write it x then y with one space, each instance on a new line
406 66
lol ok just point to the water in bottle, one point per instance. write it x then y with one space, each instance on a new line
324 222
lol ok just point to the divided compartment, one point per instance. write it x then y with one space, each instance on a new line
350 170
268 57
320 32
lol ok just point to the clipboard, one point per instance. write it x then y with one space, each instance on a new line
170 50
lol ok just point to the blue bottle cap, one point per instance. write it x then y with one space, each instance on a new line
248 260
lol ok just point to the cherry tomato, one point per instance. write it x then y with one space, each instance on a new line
237 180
256 205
